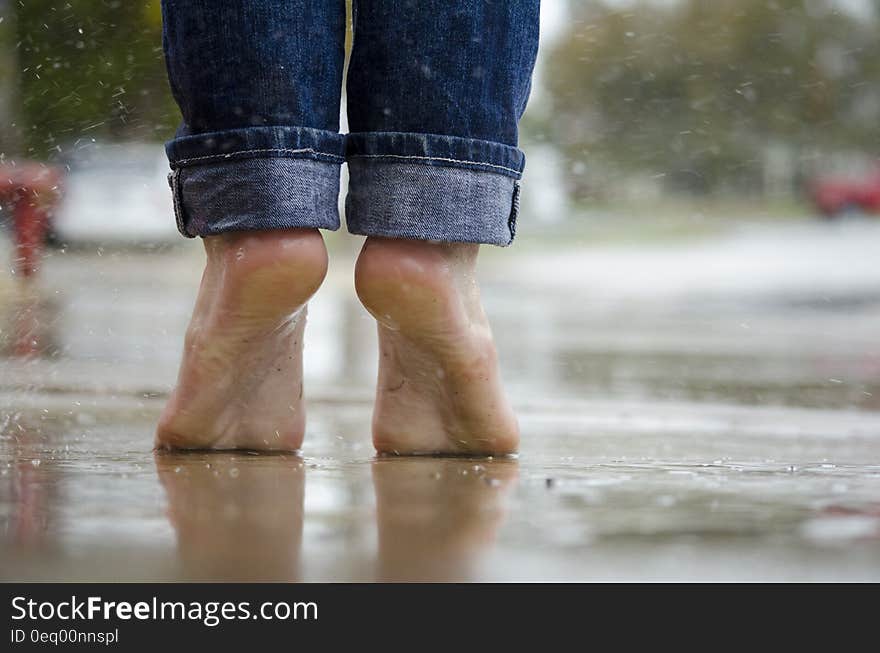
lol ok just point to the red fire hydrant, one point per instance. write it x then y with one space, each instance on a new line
29 191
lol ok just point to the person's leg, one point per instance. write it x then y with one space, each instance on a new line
255 172
435 91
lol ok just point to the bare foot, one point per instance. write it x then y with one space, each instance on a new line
439 390
240 382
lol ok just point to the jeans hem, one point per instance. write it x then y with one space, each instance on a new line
412 199
436 150
255 142
256 194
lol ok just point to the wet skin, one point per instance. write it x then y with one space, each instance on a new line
240 382
439 389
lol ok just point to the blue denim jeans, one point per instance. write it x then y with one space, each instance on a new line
435 89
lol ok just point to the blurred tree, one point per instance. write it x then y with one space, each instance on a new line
89 69
74 70
8 80
694 91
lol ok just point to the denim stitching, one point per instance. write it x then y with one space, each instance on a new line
334 157
431 158
177 199
514 212
305 150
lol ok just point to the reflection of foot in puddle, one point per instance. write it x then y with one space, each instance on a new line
237 516
31 493
439 389
437 515
240 382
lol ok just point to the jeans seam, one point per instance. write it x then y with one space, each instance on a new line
220 157
514 212
432 158
177 199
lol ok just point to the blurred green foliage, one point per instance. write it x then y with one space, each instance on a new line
86 69
694 92
75 70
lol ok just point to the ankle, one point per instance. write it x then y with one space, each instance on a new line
391 274
462 257
295 255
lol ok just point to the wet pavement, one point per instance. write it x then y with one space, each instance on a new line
695 410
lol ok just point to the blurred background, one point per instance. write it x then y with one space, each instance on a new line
708 167
746 101
694 289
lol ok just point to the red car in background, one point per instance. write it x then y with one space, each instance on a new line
836 196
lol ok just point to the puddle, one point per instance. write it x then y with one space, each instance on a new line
710 435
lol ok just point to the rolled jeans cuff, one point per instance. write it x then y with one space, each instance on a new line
257 178
432 187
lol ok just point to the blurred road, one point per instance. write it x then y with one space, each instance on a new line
702 409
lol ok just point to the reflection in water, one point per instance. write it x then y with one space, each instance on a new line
237 516
28 487
27 322
437 515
